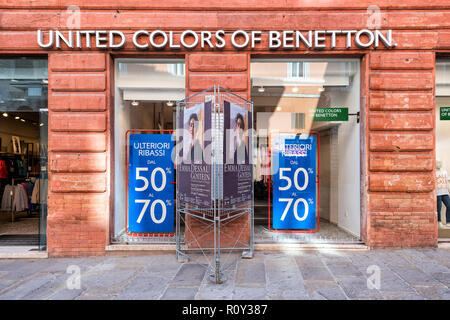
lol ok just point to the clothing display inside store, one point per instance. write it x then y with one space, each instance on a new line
25 196
20 164
23 153
19 184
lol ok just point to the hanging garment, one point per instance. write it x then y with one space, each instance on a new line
21 168
6 198
29 186
20 198
3 170
35 193
26 193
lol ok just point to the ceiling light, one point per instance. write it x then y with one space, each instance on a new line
278 108
135 103
170 104
5 114
41 124
261 89
23 120
17 117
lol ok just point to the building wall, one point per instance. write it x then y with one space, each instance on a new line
401 149
79 148
397 100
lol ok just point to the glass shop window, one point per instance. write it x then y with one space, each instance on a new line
23 152
306 113
146 91
443 147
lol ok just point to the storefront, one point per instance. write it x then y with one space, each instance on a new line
367 83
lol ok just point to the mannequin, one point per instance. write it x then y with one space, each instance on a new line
442 193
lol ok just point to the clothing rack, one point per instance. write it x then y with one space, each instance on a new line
15 180
12 196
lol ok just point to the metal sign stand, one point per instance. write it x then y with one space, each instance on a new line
200 230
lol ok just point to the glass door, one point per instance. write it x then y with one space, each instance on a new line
23 152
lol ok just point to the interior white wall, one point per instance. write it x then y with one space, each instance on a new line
348 150
122 122
325 175
334 175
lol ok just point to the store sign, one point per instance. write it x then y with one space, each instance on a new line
445 113
330 114
150 188
294 184
240 39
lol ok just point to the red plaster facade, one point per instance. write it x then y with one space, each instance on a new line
397 100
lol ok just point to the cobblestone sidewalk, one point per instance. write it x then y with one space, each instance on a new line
403 274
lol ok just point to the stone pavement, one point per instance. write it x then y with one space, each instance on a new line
308 274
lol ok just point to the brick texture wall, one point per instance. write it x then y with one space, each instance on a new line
230 71
78 144
401 150
397 99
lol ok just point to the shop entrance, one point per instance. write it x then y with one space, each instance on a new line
443 148
310 97
23 154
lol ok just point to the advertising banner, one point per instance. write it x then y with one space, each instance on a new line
194 169
237 171
151 193
294 183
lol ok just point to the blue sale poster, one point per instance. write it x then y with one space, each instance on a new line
151 193
294 183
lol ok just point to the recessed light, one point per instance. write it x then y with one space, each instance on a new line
278 108
41 124
294 89
5 114
135 103
17 117
23 120
261 89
